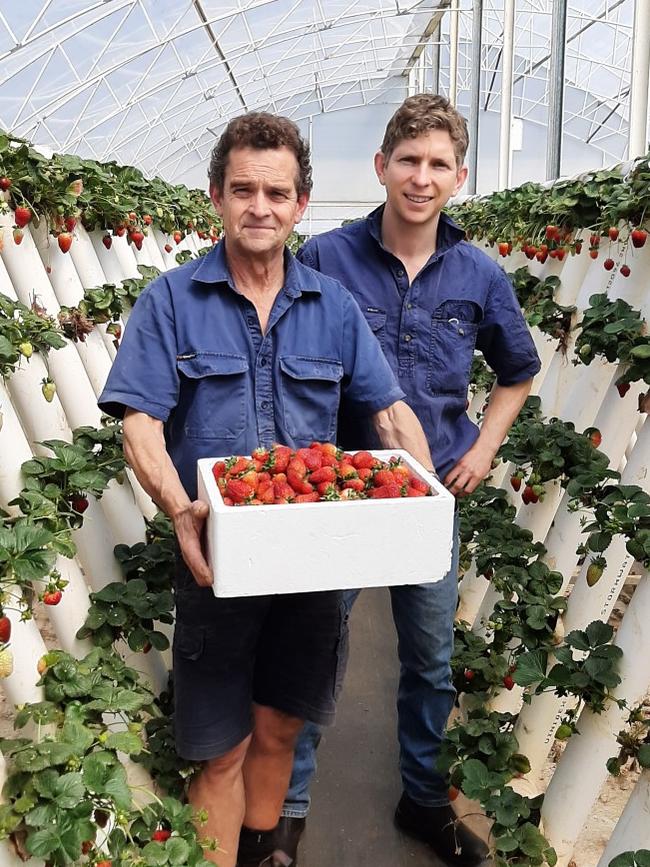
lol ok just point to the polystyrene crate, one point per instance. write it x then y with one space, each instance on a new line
298 547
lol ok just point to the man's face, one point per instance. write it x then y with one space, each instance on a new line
259 204
420 176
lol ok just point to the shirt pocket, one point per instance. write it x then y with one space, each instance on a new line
216 395
376 319
454 326
310 393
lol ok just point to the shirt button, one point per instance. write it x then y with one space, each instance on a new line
409 307
407 337
263 362
400 272
265 404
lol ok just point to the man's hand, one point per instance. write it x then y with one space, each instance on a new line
470 471
188 525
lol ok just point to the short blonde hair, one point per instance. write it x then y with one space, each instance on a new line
421 113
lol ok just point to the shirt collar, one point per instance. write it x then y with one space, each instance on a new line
449 233
297 277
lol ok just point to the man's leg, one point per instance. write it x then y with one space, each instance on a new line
219 790
424 619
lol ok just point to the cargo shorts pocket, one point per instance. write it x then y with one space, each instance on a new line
214 395
189 642
310 392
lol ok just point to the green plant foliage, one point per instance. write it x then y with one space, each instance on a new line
24 331
536 298
634 741
620 510
640 858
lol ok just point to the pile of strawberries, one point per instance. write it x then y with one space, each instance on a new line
321 472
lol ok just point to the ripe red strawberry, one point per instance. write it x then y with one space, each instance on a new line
227 501
22 216
79 503
578 247
281 458
5 183
561 253
613 233
241 465
70 223
362 460
283 490
347 471
383 477
64 240
413 492
508 682
86 846
595 436
324 474
364 473
298 482
177 237
219 469
238 491
541 256
552 232
5 630
18 236
104 863
161 834
298 466
608 264
137 238
469 674
260 454
265 493
385 491
419 484
120 231
594 253
314 497
168 248
107 241
251 478
325 488
312 458
453 793
638 237
623 388
503 248
626 270
52 597
354 484
515 481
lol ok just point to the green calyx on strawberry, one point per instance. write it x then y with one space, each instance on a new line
5 629
48 388
22 216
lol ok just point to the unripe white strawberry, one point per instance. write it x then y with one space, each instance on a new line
6 663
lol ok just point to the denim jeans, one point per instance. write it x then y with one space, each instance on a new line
424 619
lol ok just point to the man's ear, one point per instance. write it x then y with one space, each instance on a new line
301 206
380 167
461 177
216 197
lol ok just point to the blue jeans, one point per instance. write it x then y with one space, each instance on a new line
424 619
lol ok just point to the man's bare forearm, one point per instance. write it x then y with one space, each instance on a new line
398 428
503 408
145 450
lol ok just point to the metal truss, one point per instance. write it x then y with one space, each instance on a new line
152 82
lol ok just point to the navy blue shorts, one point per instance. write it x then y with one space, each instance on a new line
287 652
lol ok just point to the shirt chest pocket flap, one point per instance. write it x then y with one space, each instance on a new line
214 394
310 392
454 326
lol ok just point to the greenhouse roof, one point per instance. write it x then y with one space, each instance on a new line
152 82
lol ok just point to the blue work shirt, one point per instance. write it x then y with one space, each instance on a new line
194 356
428 329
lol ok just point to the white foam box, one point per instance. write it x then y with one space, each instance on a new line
299 547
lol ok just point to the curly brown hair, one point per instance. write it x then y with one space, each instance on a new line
421 113
263 131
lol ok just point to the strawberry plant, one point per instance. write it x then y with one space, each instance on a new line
23 332
620 510
481 377
481 757
586 667
640 858
634 741
536 297
614 330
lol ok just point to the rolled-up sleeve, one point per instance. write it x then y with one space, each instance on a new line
503 335
144 376
369 384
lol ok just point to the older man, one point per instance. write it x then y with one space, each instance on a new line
247 347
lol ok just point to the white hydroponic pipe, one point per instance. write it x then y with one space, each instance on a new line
538 721
69 292
163 241
582 769
632 831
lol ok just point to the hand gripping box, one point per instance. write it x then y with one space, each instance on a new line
298 547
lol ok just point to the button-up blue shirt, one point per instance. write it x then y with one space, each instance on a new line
194 356
428 329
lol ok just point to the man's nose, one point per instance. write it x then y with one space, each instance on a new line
259 204
421 175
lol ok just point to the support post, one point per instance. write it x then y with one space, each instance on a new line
475 93
453 54
556 90
507 56
638 143
435 60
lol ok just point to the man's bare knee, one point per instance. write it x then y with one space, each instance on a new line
275 731
229 764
